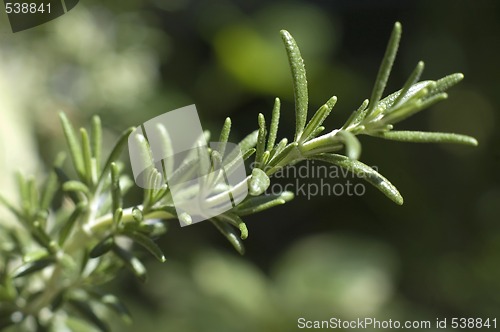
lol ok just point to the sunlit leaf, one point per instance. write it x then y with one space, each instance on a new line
231 235
147 244
299 82
385 67
275 120
260 203
428 137
34 266
365 172
259 182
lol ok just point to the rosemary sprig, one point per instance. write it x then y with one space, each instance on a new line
92 235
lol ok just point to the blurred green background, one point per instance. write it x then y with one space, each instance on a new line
436 256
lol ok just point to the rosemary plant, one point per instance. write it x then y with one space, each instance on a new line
75 234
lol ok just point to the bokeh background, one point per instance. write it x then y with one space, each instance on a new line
437 256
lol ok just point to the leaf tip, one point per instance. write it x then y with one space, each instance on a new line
332 101
287 196
244 231
284 33
472 141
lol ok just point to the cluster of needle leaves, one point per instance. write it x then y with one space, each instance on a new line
74 234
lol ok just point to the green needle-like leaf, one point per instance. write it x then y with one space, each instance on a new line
224 136
34 266
414 77
318 118
428 137
260 203
316 132
281 155
246 149
385 68
445 83
236 221
145 155
275 120
352 144
115 153
153 182
265 157
366 172
261 141
102 247
147 244
117 306
248 154
404 112
24 194
63 178
74 146
86 311
299 82
96 140
357 115
250 141
34 255
116 195
408 102
231 235
87 156
204 162
117 216
154 228
278 148
41 236
33 195
51 185
166 147
11 207
213 177
76 186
